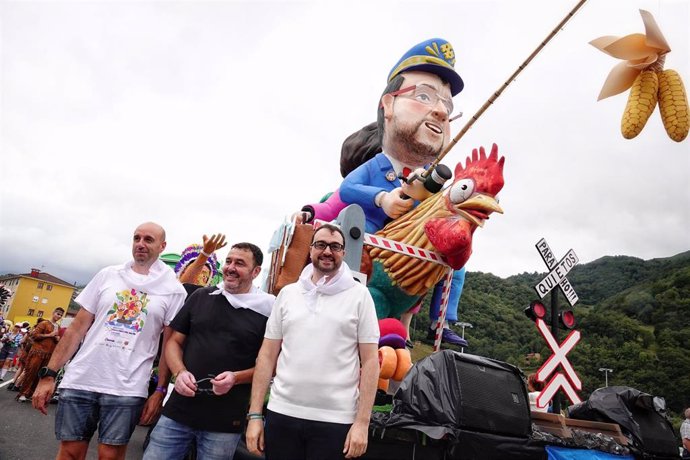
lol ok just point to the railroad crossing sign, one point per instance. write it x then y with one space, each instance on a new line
568 379
556 276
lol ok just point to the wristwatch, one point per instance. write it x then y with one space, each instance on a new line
46 372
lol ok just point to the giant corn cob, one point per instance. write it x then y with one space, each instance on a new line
673 105
641 103
645 53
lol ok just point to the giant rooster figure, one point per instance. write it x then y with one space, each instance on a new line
443 223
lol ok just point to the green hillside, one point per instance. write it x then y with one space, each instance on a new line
634 317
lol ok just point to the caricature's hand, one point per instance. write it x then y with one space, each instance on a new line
223 382
302 217
214 243
416 188
394 205
185 383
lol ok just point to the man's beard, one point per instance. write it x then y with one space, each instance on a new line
411 151
326 271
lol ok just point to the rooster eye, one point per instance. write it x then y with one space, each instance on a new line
461 190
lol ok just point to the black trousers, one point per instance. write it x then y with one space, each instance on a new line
290 438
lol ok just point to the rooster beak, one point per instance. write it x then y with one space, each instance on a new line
477 208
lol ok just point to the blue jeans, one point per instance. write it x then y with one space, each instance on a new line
79 412
171 440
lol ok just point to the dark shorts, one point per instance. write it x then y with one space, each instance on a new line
80 412
8 353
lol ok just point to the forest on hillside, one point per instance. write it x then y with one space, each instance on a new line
633 315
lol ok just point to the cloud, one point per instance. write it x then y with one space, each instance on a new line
228 116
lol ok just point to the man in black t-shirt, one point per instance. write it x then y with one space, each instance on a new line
217 336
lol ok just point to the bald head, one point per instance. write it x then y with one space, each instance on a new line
148 243
152 227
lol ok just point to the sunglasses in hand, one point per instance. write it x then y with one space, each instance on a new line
205 390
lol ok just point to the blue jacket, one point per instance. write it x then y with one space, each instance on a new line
363 184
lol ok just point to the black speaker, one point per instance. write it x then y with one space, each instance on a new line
493 397
448 392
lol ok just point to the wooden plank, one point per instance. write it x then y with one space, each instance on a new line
610 429
551 423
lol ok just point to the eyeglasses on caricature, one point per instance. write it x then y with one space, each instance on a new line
322 245
426 95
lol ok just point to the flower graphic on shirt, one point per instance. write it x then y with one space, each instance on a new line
129 311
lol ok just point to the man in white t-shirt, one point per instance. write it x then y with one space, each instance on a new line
323 336
124 309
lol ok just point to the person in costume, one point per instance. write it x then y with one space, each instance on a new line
44 339
412 128
212 351
124 309
198 265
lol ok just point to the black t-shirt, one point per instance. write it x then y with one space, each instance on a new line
219 338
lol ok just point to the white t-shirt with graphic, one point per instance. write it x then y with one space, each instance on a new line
130 311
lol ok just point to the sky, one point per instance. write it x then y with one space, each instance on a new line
228 117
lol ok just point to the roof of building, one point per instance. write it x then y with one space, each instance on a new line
47 277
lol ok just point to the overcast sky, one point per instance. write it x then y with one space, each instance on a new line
227 116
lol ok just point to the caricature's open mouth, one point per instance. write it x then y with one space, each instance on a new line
434 127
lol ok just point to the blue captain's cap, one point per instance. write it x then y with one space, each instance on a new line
434 56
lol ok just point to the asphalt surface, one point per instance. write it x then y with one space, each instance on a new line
26 434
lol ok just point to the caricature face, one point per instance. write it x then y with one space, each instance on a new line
148 243
239 271
203 276
416 131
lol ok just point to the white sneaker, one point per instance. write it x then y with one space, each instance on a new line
22 398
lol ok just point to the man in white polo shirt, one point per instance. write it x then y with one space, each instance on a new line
323 336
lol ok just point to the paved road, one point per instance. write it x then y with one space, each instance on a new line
26 434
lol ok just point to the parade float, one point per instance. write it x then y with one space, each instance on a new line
454 405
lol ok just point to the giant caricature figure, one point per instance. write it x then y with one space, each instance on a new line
412 128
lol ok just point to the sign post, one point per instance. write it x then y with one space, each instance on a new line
557 277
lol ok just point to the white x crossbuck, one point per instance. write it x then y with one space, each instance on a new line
558 358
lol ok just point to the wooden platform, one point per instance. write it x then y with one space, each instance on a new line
552 423
610 429
561 426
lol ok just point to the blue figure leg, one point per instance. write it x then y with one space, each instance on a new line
456 285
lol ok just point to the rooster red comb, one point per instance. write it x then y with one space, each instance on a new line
487 173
